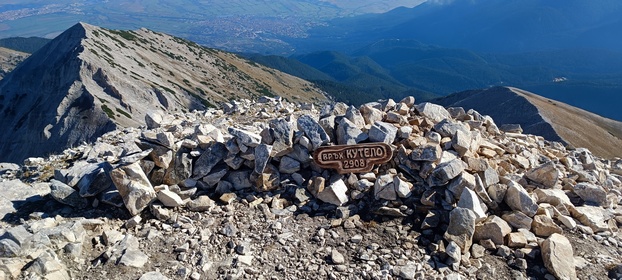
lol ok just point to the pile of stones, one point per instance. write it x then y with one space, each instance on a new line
465 188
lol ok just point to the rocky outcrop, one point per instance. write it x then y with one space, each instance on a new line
205 193
91 80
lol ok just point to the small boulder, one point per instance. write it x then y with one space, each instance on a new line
371 114
518 199
461 227
445 172
382 132
153 119
209 159
402 188
493 228
469 200
518 219
133 257
134 187
65 194
239 179
384 188
558 257
432 111
247 138
545 174
289 165
461 142
201 203
543 225
337 257
282 132
316 185
591 194
169 198
335 193
313 130
348 133
269 179
592 216
354 115
426 152
464 180
516 240
262 157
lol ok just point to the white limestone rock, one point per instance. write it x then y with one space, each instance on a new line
335 193
558 257
432 111
469 200
518 199
134 187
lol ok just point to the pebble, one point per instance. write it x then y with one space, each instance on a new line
337 257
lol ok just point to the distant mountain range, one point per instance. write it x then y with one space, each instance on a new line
90 80
286 27
353 80
564 50
357 80
234 25
394 68
499 26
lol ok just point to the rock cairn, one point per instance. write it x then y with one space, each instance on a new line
462 188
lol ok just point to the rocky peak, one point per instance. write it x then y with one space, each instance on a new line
234 191
90 80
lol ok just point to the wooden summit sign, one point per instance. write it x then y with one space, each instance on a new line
357 158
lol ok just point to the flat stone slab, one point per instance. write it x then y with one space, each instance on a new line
14 193
359 158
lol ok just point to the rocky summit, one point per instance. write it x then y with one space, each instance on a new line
234 193
91 80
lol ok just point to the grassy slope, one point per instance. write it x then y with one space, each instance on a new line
579 127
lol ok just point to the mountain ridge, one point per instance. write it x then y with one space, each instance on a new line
9 59
483 25
90 80
538 115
